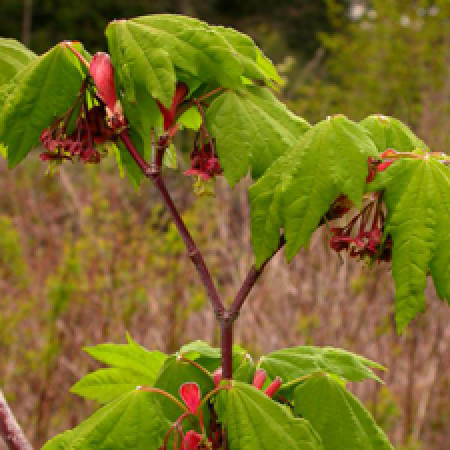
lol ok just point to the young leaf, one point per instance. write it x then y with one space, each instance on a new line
14 56
297 190
132 421
254 421
417 196
252 129
388 132
340 419
296 362
129 356
44 90
105 385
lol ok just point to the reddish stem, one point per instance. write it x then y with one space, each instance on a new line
10 430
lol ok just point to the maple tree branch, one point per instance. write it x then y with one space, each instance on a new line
10 430
249 282
152 171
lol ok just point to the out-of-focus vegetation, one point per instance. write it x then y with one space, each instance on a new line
84 257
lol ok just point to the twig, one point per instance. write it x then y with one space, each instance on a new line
10 430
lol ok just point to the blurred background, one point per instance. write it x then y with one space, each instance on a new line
84 257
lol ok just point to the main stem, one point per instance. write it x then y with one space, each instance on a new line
225 317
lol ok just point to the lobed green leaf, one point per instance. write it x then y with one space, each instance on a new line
105 385
254 421
129 356
252 129
297 190
340 419
417 196
388 132
14 56
133 420
297 362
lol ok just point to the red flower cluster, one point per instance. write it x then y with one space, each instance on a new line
366 242
90 130
204 161
192 440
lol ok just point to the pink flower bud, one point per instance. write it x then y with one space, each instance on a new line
217 376
102 72
259 378
190 393
191 440
273 387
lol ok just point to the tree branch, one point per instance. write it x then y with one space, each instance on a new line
249 282
10 430
153 172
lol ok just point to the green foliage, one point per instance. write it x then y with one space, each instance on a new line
133 420
388 132
44 90
298 188
104 385
129 356
252 129
339 418
417 196
13 58
255 421
297 362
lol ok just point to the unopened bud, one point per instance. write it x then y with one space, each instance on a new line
259 378
273 387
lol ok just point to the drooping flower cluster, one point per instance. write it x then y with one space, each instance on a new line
83 142
204 161
362 240
82 129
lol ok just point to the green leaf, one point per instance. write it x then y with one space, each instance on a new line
417 196
129 356
173 374
340 419
197 349
35 97
254 421
388 132
210 358
170 157
297 362
255 66
191 119
298 189
14 56
252 129
105 385
132 421
138 60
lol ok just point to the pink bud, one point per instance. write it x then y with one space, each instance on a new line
217 376
190 393
102 71
191 440
273 387
259 378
